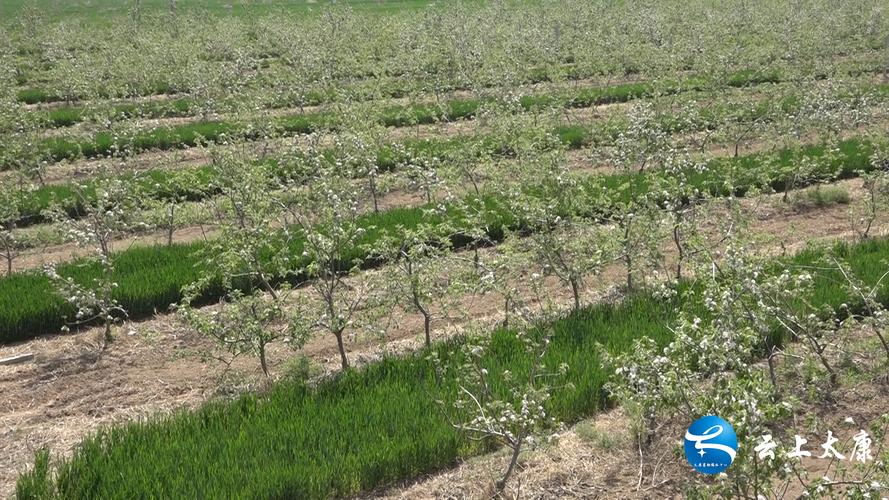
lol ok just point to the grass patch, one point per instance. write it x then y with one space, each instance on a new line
822 196
65 116
606 440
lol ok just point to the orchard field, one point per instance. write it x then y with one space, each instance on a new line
412 249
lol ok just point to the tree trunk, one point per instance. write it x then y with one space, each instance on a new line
339 343
268 286
680 250
772 375
629 262
501 484
373 192
106 337
262 361
820 352
883 341
575 289
506 312
427 318
628 257
170 225
427 324
872 204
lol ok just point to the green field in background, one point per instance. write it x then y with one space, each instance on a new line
105 9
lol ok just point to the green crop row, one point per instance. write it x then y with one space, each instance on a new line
391 88
65 116
150 278
36 95
367 428
188 185
189 135
161 184
197 183
392 116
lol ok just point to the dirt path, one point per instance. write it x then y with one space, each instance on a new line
157 365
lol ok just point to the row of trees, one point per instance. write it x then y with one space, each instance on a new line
307 227
288 247
274 294
712 365
671 132
299 56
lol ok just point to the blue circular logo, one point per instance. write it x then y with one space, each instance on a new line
710 444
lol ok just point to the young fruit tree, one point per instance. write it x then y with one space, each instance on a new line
242 324
10 214
251 250
502 271
108 209
326 215
358 148
163 202
252 241
417 276
422 172
682 202
21 145
786 299
876 192
549 204
639 229
507 407
870 312
708 368
644 142
740 119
